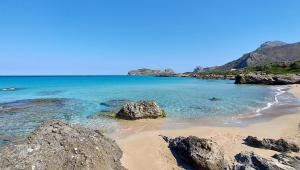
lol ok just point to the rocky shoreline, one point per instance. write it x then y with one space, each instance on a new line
57 145
267 79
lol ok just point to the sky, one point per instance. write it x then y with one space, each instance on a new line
94 37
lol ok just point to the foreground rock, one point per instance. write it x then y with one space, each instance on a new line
56 145
267 79
288 160
279 145
140 110
201 153
249 161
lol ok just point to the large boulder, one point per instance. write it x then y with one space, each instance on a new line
140 110
268 79
279 145
201 153
250 161
56 145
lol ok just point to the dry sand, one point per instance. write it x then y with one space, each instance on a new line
147 150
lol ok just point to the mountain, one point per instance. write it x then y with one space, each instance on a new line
268 52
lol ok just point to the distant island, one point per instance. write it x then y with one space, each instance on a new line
146 71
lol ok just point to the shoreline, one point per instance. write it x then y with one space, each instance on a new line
147 150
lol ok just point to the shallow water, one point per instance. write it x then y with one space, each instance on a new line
182 98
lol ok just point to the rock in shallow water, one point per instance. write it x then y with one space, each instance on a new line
202 154
279 145
140 110
56 145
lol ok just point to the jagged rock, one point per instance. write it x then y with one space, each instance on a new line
56 145
202 154
250 161
288 160
267 79
140 110
279 145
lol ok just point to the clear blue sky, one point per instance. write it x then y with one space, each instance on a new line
114 36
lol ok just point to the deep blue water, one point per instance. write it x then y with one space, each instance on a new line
182 98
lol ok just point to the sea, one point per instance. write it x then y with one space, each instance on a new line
26 101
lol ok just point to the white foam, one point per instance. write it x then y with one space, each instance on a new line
279 91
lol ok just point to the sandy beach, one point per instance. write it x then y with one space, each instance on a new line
147 150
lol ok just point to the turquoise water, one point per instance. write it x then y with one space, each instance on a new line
182 98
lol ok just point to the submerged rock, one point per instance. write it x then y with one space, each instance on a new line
31 104
268 79
279 145
249 161
56 145
202 154
214 99
114 105
140 110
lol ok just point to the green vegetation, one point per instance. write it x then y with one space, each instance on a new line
277 68
274 68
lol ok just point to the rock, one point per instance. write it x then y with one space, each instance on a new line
279 145
56 145
288 160
201 153
30 104
268 79
214 99
103 114
140 110
249 161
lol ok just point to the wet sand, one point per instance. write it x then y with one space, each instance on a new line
147 150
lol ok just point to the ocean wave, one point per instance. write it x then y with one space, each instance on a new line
279 91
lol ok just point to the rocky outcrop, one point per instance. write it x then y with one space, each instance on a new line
201 153
140 110
249 161
267 79
56 145
279 145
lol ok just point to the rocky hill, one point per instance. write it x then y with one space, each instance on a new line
268 52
